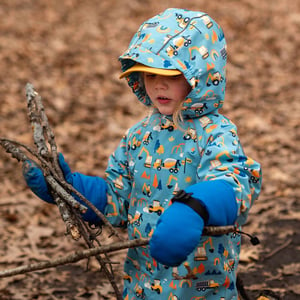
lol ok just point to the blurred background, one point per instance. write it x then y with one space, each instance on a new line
69 51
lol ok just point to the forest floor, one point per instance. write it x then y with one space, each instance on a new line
69 50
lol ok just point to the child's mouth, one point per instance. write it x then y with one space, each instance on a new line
163 100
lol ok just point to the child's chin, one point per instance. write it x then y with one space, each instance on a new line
166 112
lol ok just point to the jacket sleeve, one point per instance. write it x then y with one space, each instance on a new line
119 183
224 159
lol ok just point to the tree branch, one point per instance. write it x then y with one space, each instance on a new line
73 257
83 254
63 195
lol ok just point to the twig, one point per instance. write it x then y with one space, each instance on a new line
13 147
63 194
59 190
13 150
276 250
41 131
35 120
47 131
73 257
67 218
83 254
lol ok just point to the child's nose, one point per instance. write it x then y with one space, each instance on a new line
160 82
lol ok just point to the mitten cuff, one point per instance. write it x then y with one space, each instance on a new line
195 204
219 199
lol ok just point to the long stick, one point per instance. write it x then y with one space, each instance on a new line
79 255
63 192
73 257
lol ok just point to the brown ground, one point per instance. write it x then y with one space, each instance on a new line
68 50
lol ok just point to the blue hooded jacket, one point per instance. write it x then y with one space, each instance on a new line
155 159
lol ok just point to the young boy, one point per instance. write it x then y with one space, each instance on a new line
178 169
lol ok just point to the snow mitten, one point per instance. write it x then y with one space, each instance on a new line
92 187
179 229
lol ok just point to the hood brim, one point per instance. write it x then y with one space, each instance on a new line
143 68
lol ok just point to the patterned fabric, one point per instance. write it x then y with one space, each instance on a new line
155 159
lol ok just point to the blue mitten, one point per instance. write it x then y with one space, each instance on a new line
93 188
34 178
177 234
179 229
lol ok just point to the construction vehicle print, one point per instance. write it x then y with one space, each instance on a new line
206 284
118 182
149 267
134 143
139 292
182 22
254 178
156 286
172 51
199 107
190 274
156 208
169 163
206 20
178 43
233 132
182 41
229 265
204 121
146 190
200 254
167 125
147 137
190 134
136 220
203 51
255 175
148 161
194 81
127 278
214 78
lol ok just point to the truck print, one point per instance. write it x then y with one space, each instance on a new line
206 284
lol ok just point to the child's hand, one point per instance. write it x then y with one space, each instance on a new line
177 234
93 188
180 227
35 180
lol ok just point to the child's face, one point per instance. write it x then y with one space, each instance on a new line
166 92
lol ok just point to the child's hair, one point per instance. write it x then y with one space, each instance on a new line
177 116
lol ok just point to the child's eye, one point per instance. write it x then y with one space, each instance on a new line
150 75
176 76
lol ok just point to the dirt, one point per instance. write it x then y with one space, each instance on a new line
69 50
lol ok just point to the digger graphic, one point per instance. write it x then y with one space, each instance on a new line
156 208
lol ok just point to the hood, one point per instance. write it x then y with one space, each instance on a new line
189 41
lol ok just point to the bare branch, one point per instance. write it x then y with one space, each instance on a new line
13 150
83 254
73 257
64 196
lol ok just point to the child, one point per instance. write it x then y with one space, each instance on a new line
179 169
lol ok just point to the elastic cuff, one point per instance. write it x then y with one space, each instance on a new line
193 203
218 197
